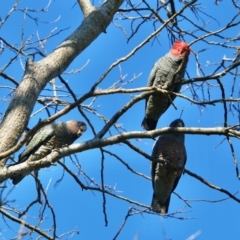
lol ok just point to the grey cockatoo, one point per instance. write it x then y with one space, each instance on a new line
49 137
165 176
166 74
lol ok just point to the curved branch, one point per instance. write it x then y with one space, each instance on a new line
27 167
211 185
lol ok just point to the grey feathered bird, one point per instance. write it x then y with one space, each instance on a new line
165 177
166 74
49 137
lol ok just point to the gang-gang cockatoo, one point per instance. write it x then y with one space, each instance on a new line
167 74
49 137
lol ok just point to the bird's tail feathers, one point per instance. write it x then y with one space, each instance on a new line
18 178
159 207
149 124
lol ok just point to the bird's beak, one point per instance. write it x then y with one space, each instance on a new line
81 130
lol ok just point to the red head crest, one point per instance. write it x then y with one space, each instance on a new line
179 48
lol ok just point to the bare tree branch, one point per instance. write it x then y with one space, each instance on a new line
86 7
23 223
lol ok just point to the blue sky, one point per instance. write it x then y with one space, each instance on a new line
208 156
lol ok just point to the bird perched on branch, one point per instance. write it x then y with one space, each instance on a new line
166 74
165 176
49 137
